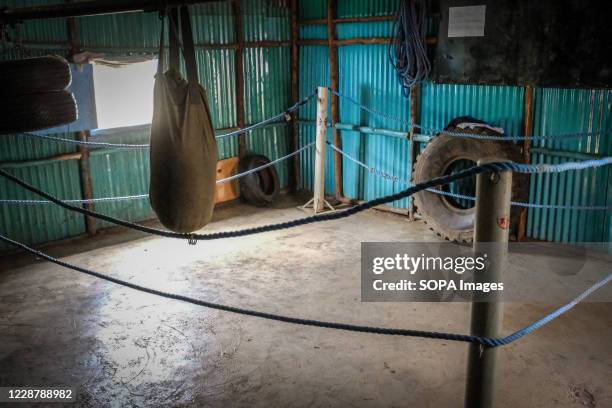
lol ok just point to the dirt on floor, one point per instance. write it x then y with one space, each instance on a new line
120 347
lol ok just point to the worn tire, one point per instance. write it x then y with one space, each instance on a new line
442 217
261 188
26 113
34 75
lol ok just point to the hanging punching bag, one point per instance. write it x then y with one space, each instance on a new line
183 152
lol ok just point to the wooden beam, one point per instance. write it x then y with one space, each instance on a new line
86 184
358 40
527 131
83 150
39 162
239 75
334 84
323 21
295 94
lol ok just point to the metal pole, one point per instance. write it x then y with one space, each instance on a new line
493 193
319 179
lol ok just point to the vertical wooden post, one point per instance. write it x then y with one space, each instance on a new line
333 82
84 166
412 150
295 92
321 151
318 200
239 75
527 131
493 194
86 184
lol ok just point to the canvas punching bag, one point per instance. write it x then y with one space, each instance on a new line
183 152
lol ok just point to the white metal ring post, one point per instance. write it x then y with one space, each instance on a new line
318 202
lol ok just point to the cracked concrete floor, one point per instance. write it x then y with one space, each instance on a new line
124 348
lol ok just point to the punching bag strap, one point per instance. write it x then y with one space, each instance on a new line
188 48
160 60
173 20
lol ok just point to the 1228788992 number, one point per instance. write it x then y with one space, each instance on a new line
37 394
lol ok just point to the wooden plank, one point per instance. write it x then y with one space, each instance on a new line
527 131
294 177
86 183
239 75
231 190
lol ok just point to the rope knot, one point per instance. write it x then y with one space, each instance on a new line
191 239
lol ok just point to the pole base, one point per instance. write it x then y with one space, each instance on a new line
326 206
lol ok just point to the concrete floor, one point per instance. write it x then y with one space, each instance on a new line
125 348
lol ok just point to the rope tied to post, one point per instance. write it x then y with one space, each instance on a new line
483 341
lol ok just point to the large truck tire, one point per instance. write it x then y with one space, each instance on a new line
443 216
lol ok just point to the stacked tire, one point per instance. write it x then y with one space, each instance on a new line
259 188
34 94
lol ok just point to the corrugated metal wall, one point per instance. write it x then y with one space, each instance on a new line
366 75
568 111
38 223
267 92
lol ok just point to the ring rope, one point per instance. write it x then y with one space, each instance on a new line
433 131
275 118
395 179
483 341
485 168
142 196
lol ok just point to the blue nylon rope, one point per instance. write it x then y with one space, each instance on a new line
395 179
484 341
433 131
275 118
192 237
143 196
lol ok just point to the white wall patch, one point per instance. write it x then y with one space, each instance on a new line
466 21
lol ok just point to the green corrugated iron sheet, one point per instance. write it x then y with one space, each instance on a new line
122 172
50 30
313 72
267 91
366 75
35 224
114 173
559 111
363 75
372 83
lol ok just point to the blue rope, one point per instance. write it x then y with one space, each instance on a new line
434 131
370 110
484 341
275 118
191 237
85 143
547 319
142 196
408 50
395 179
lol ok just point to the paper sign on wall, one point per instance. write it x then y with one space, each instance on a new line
466 21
